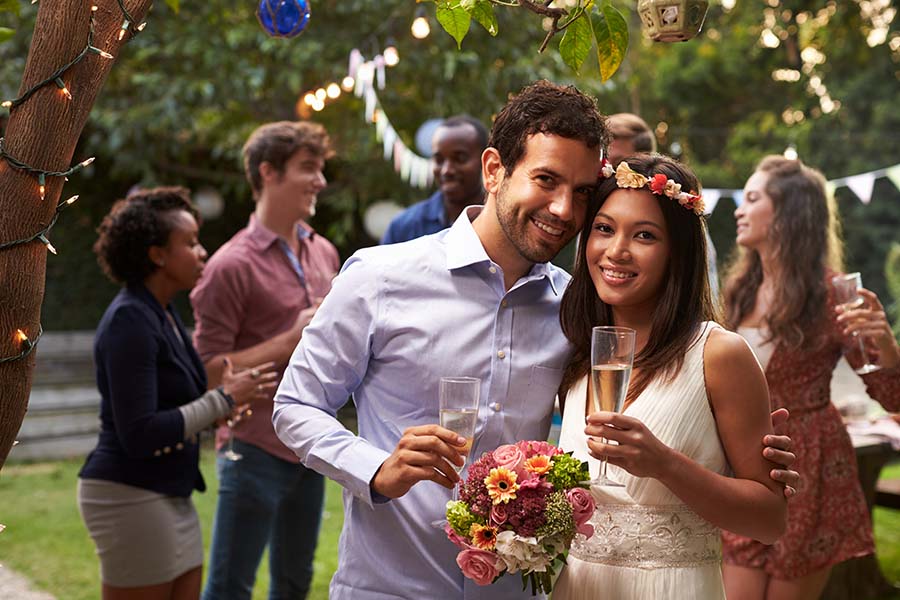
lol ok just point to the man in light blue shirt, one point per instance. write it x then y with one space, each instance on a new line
478 299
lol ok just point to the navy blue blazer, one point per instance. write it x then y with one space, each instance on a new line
144 373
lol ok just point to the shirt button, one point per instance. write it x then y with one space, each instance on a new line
493 269
167 449
496 406
501 354
504 304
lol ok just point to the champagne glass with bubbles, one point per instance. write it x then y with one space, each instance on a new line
612 358
459 409
846 294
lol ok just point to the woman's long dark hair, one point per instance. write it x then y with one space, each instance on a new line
685 300
805 237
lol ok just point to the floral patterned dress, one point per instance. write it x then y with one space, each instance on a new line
828 521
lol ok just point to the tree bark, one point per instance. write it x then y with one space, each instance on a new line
43 133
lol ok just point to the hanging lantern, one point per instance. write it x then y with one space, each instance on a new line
283 18
672 20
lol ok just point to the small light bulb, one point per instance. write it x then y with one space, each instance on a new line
94 8
347 83
333 90
321 94
319 105
124 29
309 98
71 200
102 53
87 161
391 56
20 335
420 28
42 188
7 104
47 243
62 86
142 26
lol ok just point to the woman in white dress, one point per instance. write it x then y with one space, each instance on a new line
697 406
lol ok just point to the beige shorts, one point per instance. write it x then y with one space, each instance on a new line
142 537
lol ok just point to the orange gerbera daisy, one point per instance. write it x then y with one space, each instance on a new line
501 485
484 537
539 464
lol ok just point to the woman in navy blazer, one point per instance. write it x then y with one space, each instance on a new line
135 486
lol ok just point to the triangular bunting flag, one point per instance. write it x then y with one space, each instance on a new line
862 186
893 174
710 199
737 196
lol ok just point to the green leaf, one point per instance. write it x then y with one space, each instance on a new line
10 6
483 12
5 33
173 4
576 42
611 34
455 21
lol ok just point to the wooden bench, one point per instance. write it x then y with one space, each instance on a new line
887 493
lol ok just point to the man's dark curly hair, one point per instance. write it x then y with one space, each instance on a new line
551 109
135 224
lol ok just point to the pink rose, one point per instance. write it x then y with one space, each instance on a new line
582 508
534 448
480 566
499 514
461 542
510 457
535 483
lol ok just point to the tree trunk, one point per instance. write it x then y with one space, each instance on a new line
43 133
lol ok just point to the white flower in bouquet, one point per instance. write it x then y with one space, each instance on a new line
522 553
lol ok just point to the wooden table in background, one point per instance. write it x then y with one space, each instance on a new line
861 578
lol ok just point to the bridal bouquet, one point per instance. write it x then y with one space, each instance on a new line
519 508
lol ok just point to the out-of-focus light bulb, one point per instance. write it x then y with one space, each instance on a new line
420 28
391 56
790 152
348 83
333 90
321 94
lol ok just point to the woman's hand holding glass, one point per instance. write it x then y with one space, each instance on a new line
638 451
246 388
869 322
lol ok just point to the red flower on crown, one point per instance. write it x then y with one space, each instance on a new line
658 183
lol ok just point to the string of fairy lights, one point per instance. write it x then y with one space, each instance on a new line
26 343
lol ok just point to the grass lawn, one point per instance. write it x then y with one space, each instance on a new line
46 541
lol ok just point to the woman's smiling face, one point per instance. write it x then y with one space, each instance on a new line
627 252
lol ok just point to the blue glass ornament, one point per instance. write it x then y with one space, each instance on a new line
283 18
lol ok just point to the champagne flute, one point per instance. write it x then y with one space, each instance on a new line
229 453
612 358
847 296
459 409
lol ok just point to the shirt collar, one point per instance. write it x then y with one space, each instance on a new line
464 248
434 208
263 237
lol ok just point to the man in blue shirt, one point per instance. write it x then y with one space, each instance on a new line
457 145
479 299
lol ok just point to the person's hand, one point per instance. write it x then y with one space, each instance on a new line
778 450
306 315
249 386
639 451
424 453
871 322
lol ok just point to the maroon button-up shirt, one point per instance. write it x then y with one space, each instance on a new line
249 293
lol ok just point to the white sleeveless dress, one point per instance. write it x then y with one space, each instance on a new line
647 544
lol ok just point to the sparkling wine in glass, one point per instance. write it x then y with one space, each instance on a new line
459 409
229 453
612 358
846 294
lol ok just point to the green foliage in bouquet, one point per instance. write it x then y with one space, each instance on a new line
568 472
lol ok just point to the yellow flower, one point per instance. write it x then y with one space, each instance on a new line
501 485
538 463
627 178
484 537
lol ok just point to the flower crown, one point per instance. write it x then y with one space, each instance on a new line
659 184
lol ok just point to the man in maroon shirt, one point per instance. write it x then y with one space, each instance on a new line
256 295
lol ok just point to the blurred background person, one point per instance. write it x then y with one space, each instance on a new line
457 145
134 491
778 296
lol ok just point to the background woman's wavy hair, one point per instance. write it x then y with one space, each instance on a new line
685 300
805 239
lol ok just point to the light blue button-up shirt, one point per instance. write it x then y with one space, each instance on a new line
397 319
